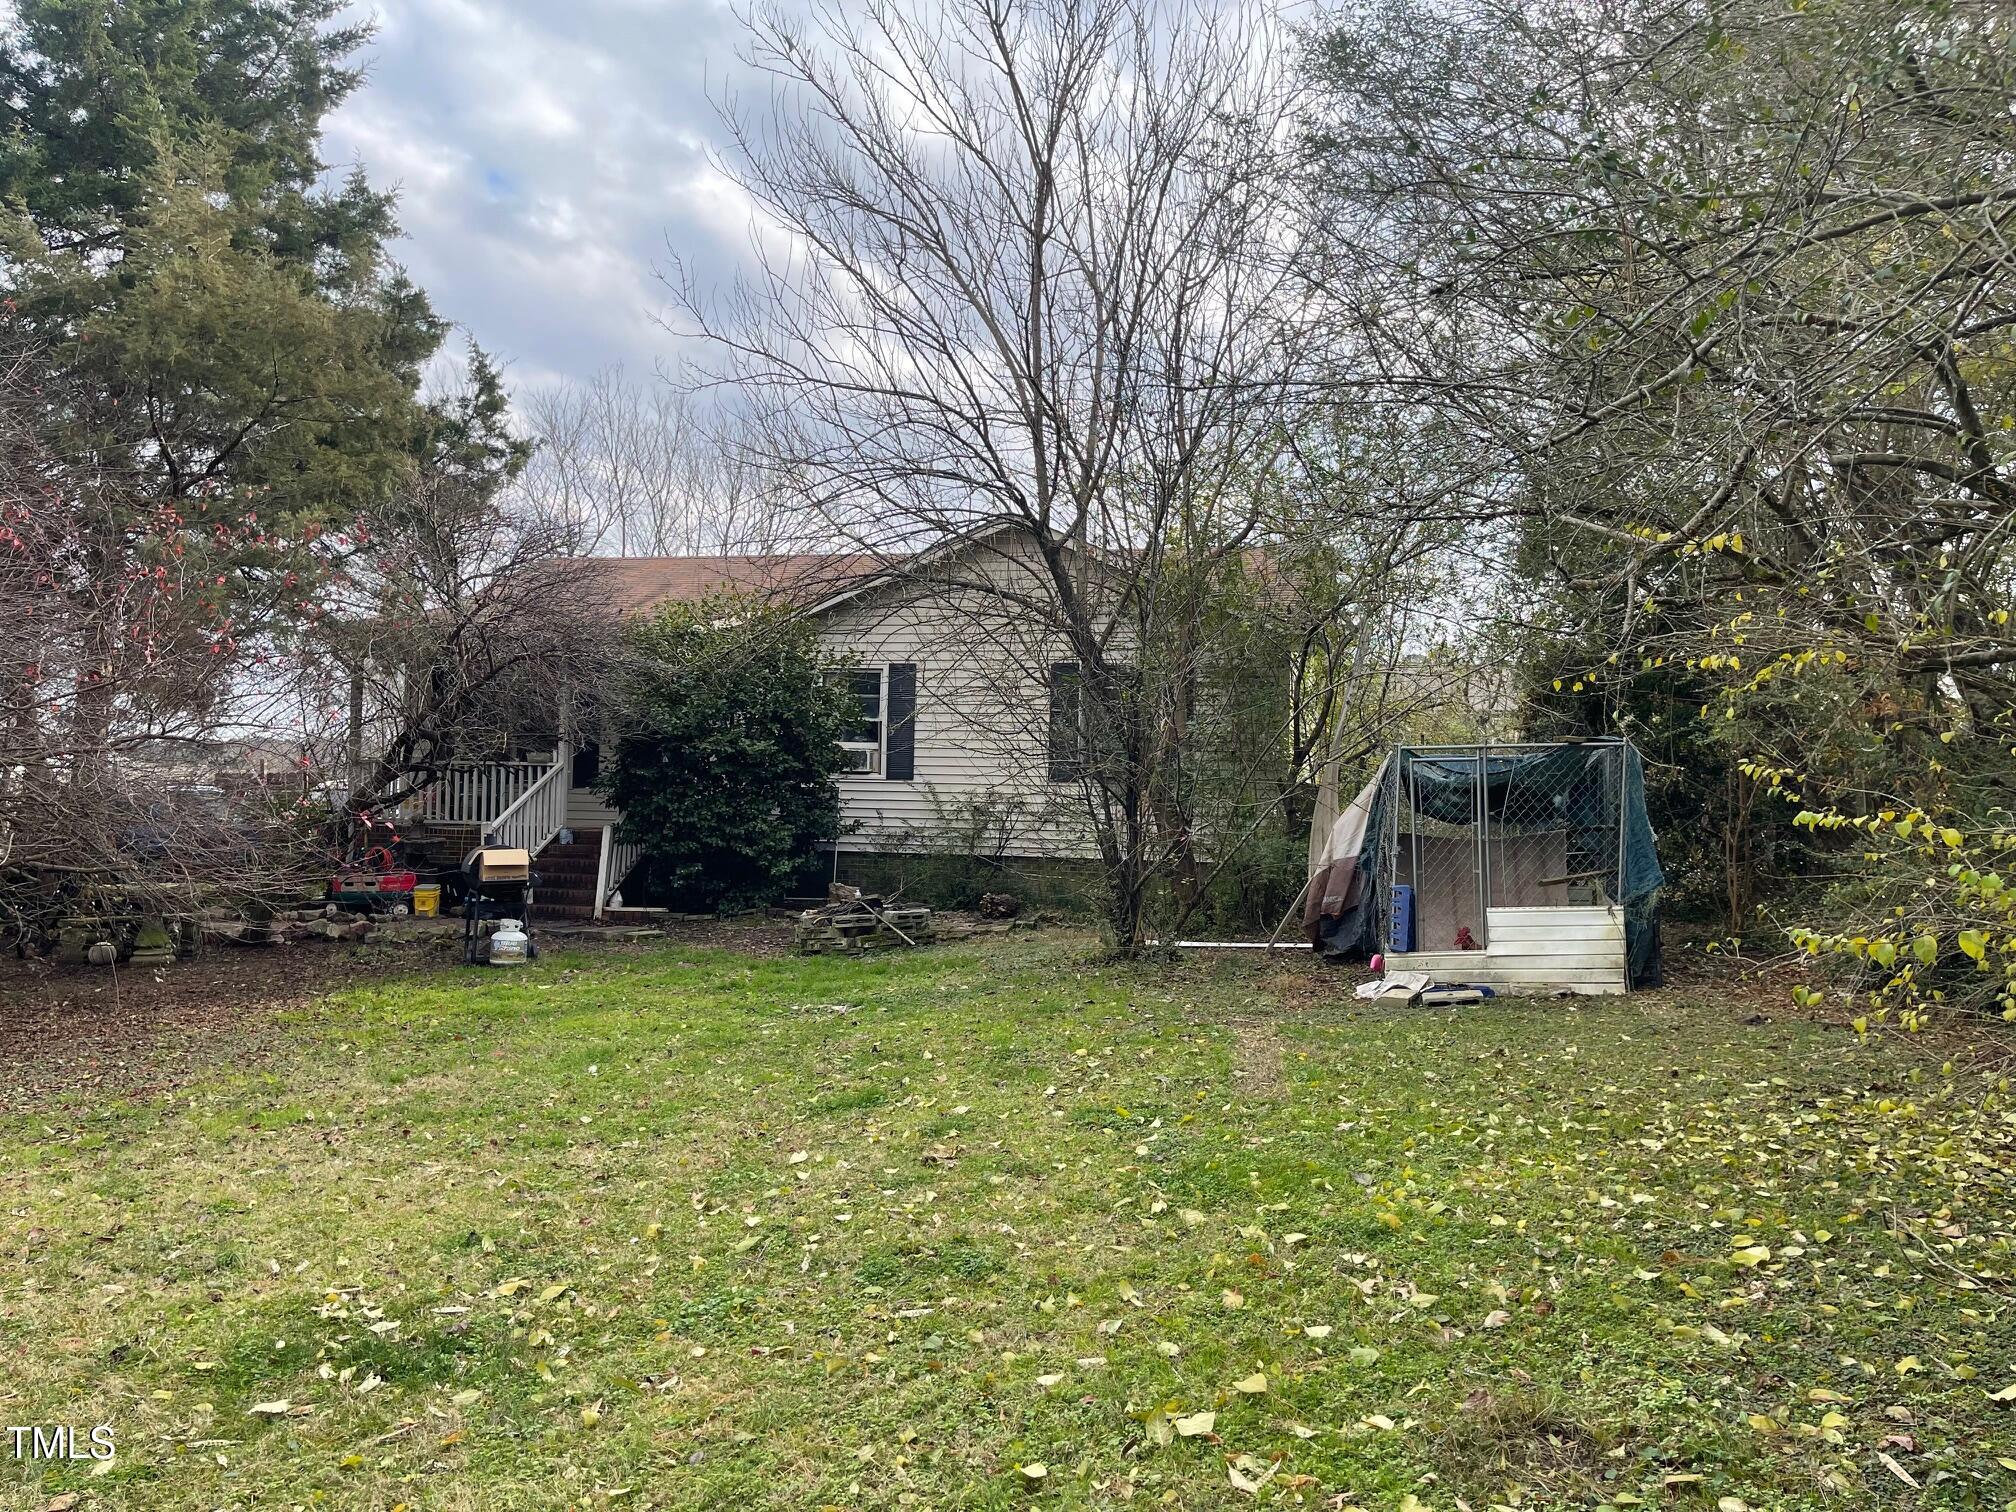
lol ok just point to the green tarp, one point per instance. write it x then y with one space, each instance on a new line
1587 789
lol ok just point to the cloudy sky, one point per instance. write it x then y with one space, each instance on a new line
550 156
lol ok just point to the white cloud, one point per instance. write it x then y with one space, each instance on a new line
550 155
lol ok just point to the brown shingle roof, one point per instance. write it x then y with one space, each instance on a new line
637 585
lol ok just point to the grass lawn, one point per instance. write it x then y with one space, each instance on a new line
697 1229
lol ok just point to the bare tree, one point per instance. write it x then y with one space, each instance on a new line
1724 299
1026 281
459 629
638 469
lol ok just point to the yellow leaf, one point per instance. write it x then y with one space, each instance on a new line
1035 1470
1197 1424
1256 1383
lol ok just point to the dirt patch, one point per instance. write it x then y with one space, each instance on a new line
1257 1056
1312 986
127 1033
1525 1432
771 934
756 934
750 934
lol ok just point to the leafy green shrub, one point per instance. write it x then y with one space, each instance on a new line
726 777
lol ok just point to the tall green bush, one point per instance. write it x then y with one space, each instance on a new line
725 779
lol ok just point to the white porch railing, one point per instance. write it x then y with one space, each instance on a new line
538 814
478 795
618 857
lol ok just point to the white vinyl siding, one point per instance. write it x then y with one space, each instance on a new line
982 725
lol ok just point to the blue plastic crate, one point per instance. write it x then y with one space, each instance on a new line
1400 920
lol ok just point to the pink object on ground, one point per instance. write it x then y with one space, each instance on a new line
1378 963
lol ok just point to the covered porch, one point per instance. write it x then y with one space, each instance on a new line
543 803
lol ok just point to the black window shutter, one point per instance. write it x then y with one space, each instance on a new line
1066 743
899 760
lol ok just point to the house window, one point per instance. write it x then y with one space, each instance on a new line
1087 737
861 736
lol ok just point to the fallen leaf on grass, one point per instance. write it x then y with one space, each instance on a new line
1896 1469
1249 1474
1197 1424
1253 1385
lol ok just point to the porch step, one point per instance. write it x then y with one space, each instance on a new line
567 874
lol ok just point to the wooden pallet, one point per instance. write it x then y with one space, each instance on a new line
822 932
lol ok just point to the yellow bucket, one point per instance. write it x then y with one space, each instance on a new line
427 900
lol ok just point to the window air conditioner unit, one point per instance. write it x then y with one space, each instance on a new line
858 758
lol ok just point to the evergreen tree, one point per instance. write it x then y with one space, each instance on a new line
226 325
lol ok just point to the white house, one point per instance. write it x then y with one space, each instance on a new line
963 741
